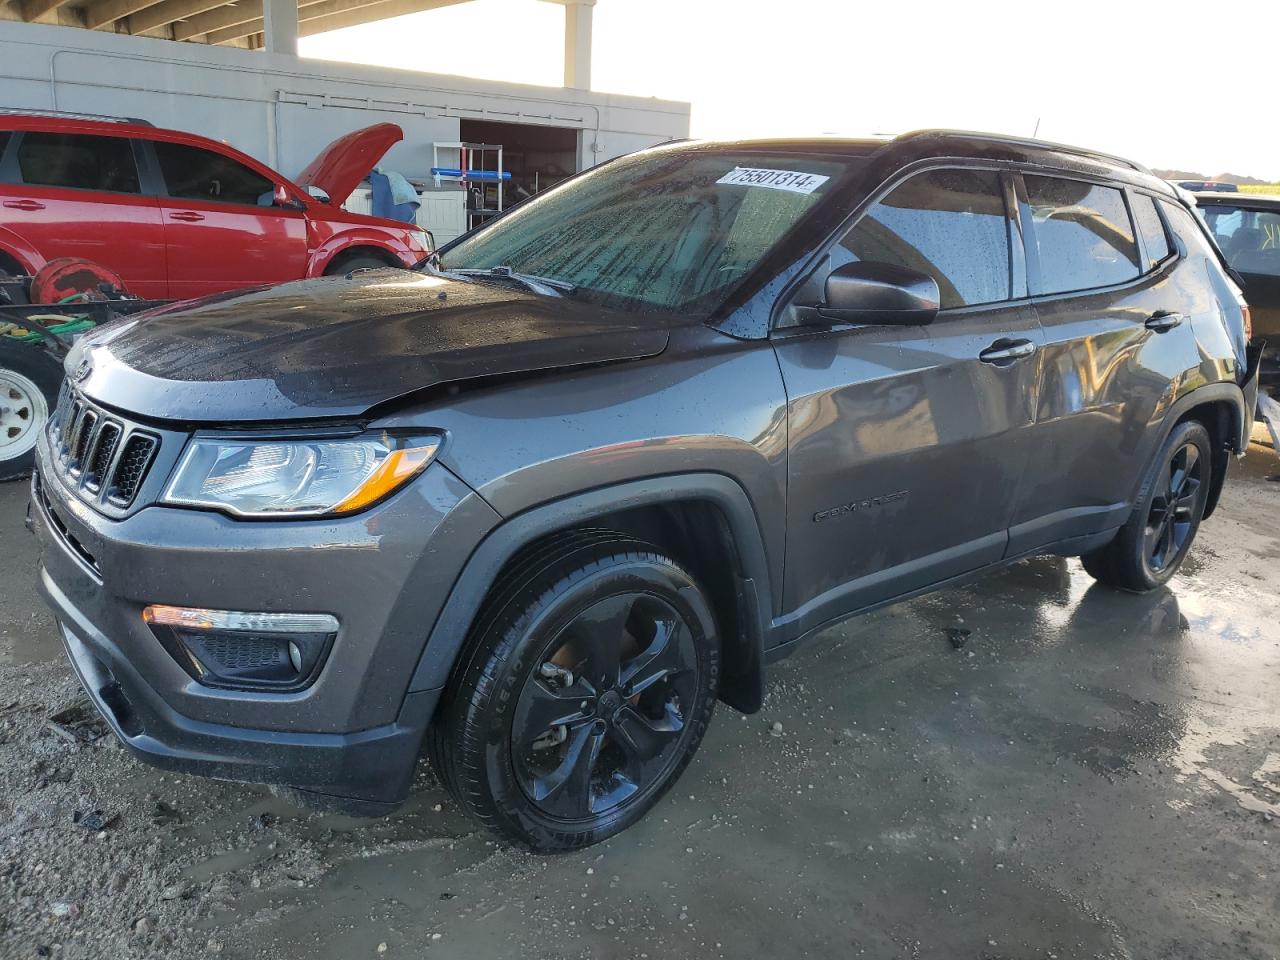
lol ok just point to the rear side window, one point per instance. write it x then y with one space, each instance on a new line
1250 239
1151 227
949 224
192 173
78 161
1083 235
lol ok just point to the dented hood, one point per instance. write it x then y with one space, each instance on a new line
339 167
336 347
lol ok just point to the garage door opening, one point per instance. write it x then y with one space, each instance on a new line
537 157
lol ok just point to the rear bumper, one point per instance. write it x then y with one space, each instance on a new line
365 773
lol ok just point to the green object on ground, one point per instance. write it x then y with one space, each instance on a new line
23 334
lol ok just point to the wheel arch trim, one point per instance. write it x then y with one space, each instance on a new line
347 242
22 253
1229 394
449 633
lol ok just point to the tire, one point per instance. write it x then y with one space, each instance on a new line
29 383
357 261
1154 541
582 693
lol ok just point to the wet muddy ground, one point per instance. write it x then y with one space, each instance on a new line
1092 774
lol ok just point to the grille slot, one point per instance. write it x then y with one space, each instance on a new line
104 458
104 448
66 427
83 433
132 467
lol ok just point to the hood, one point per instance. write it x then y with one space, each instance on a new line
335 347
339 167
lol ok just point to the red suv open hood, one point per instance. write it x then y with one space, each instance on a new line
344 163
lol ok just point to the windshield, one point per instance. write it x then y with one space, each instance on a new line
673 230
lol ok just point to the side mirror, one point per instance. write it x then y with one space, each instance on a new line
871 292
281 197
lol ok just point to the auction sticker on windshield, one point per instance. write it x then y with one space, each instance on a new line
793 181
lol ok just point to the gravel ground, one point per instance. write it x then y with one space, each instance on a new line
1091 774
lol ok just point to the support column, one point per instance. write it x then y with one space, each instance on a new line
280 26
577 42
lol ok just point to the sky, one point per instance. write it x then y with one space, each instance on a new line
1159 83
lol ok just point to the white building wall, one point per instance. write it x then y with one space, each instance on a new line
283 109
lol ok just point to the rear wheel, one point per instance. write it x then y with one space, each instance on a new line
584 691
1154 541
29 382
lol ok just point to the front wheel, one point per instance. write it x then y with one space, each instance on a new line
360 261
1154 541
29 382
583 692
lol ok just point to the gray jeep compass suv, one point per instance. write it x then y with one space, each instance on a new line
541 503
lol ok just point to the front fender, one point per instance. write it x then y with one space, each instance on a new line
331 247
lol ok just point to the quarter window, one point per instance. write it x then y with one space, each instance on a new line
1082 233
77 161
191 173
949 224
1152 229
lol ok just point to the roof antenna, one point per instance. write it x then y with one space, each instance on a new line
1036 130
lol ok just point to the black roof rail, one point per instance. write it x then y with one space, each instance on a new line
1026 142
71 115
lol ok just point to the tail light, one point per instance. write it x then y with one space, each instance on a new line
1248 322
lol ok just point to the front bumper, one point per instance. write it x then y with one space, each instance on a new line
354 734
364 773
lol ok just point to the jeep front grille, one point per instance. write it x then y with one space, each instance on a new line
103 457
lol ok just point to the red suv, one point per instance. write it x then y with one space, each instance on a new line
177 215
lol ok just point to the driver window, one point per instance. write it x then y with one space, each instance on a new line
949 224
195 174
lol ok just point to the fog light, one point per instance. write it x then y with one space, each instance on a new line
244 651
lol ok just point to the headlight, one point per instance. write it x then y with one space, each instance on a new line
418 240
295 477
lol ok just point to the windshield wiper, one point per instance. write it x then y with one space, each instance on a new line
547 286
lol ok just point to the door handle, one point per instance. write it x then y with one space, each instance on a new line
1162 321
1004 352
187 216
24 204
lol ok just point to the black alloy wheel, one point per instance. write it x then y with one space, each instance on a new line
1154 541
584 690
1173 515
599 722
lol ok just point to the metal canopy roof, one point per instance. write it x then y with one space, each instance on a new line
237 23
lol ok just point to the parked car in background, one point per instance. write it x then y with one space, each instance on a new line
543 506
1247 228
1207 185
179 215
